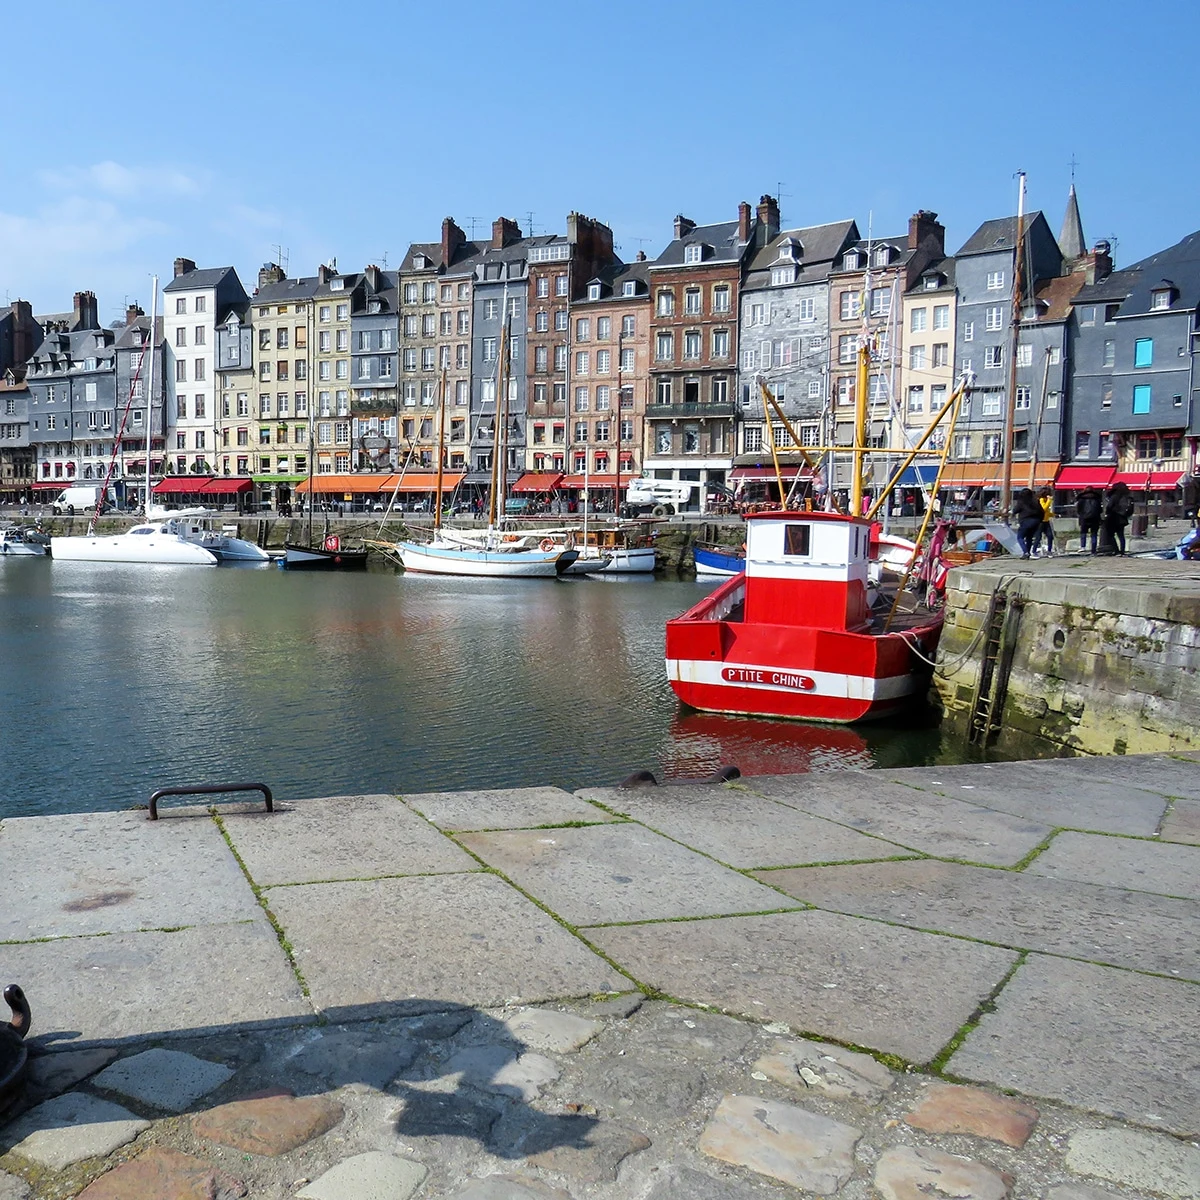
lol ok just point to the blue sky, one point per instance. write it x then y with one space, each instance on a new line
133 135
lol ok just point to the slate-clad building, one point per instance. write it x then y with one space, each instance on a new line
132 351
1136 394
785 337
374 378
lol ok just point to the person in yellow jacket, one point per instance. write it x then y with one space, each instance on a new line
1046 500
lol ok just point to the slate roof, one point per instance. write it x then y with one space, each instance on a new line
613 278
996 235
77 346
1071 240
431 250
820 245
866 248
124 336
350 281
202 277
723 238
941 266
287 291
1177 266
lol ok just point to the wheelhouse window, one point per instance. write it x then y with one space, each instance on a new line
797 540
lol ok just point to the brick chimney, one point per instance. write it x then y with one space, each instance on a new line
132 312
374 277
683 226
743 222
183 266
452 239
325 273
270 273
922 225
505 231
768 219
1095 266
86 312
26 333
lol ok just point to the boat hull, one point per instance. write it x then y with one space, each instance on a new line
317 558
161 549
488 564
22 549
724 665
712 562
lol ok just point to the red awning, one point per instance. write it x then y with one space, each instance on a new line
767 474
593 481
536 482
45 485
1159 481
227 487
1081 477
181 485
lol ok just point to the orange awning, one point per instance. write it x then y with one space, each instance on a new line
373 485
988 474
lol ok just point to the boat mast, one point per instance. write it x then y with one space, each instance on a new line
150 391
860 428
1015 333
497 434
441 467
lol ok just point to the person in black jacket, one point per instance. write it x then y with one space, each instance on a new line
1117 513
1028 514
1087 509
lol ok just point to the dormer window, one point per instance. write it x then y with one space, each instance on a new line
932 282
1161 299
693 253
337 284
629 288
420 262
883 256
593 291
374 307
850 261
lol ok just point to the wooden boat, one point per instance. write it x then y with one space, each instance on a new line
718 560
330 555
495 562
793 635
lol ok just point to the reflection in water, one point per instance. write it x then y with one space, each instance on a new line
120 679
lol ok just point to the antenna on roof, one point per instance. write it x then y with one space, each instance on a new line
529 225
281 257
472 221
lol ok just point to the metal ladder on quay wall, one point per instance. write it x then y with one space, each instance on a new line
999 646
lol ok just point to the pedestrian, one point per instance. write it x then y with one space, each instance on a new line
1046 501
1087 509
1117 512
1028 514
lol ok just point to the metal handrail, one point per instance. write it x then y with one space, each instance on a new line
210 789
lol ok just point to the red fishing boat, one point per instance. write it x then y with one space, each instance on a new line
795 634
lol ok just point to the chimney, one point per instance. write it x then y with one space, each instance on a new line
183 266
641 256
324 273
452 239
1096 266
922 225
743 222
504 232
270 273
374 277
86 312
25 331
683 226
768 219
132 312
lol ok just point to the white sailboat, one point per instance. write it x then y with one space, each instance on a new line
494 555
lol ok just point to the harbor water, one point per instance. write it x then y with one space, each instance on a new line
120 679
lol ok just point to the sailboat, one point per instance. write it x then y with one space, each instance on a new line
796 632
496 554
329 554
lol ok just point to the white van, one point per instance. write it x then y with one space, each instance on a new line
80 498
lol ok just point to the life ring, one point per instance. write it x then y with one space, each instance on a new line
546 544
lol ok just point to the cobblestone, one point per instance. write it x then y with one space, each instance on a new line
164 1174
950 1109
908 1173
269 1125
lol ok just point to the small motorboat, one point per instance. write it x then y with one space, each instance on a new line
22 542
718 560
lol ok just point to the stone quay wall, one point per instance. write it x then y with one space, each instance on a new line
1101 654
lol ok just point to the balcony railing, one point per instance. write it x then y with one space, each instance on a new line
694 409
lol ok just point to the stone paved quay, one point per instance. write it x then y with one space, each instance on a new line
968 982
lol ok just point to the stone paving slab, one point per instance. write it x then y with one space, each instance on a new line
1163 774
625 872
370 1176
509 808
1137 1159
113 872
922 821
342 837
740 828
1182 823
1142 866
861 982
417 943
70 1128
167 1079
1104 1039
1129 929
1054 798
137 984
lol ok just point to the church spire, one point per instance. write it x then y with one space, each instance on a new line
1071 241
